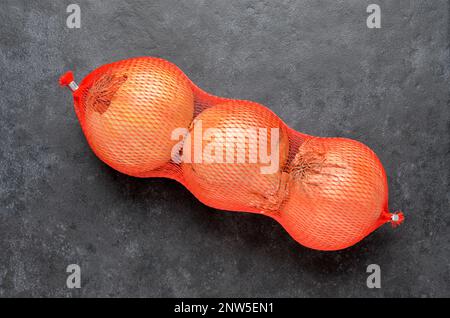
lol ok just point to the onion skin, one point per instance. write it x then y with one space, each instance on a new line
237 186
131 111
337 194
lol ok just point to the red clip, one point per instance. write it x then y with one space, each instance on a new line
66 79
395 218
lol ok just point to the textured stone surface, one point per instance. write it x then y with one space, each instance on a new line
315 63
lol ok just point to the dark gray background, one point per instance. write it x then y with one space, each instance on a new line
315 63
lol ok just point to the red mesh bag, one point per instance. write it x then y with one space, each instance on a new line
144 117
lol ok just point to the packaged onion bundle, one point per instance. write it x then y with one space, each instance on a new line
145 118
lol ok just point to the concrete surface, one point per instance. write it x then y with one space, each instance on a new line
315 63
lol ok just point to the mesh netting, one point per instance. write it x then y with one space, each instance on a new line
144 117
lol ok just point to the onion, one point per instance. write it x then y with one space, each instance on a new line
131 110
337 194
240 182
